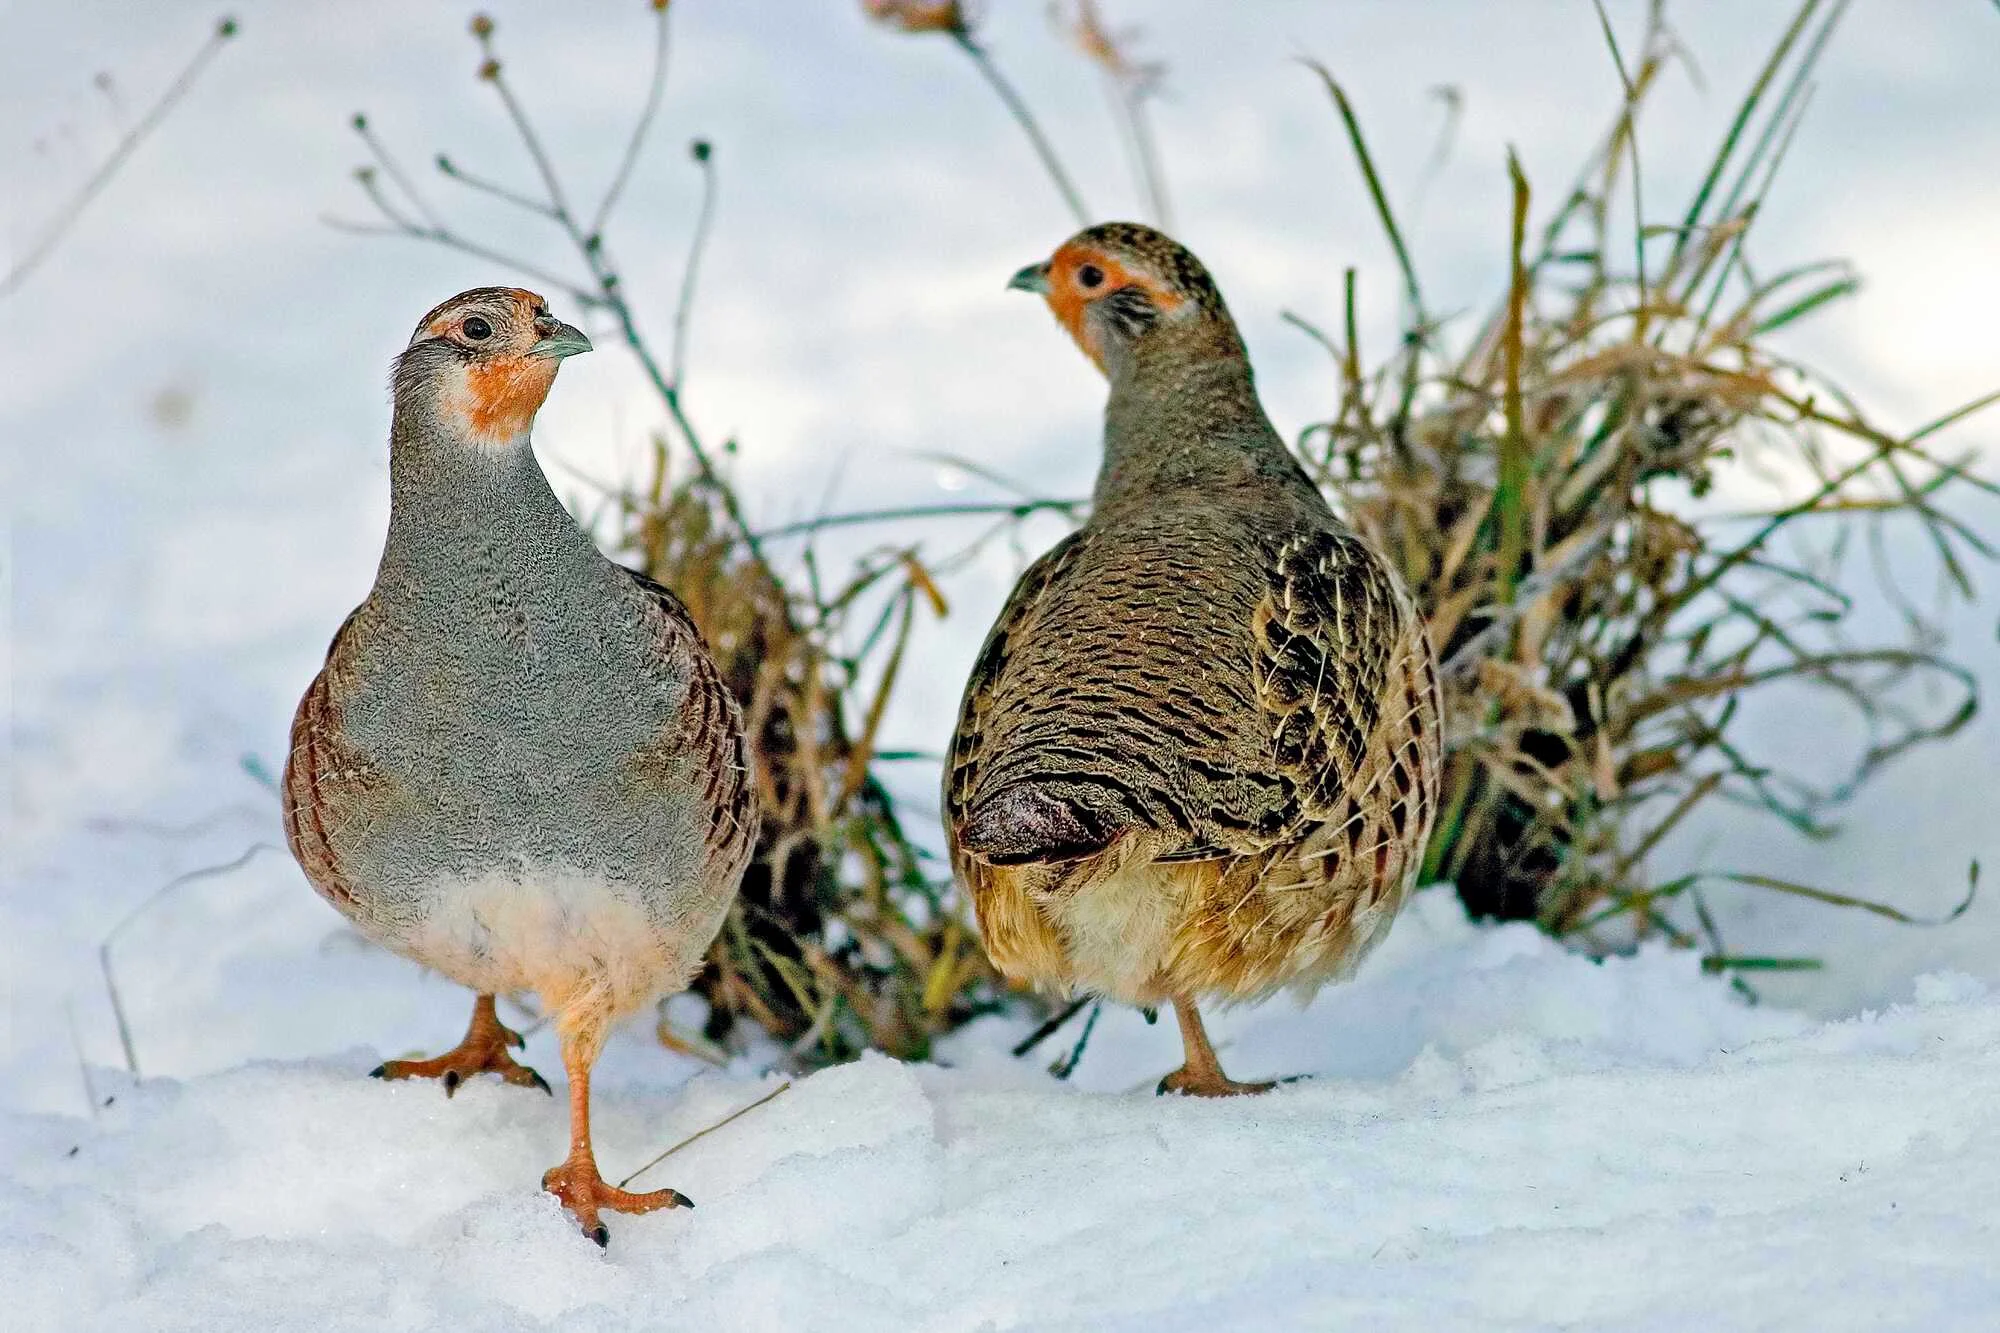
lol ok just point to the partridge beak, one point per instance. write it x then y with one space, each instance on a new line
1034 278
565 341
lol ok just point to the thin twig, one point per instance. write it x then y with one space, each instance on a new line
1010 508
394 169
66 217
529 139
703 1133
447 167
1018 109
656 86
82 1063
237 862
704 157
1066 1066
1130 83
1151 174
451 240
1051 1025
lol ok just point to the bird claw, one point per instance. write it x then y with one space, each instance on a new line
1190 1083
583 1192
482 1051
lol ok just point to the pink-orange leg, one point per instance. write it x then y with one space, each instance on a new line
483 1051
1200 1075
576 1181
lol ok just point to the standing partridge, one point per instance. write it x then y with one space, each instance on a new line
519 765
1198 756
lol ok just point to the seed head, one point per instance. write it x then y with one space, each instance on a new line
920 16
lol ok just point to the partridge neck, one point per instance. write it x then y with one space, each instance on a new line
449 497
1185 421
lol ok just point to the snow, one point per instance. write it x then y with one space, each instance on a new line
1494 1133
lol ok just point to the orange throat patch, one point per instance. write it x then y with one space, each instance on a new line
1071 303
501 397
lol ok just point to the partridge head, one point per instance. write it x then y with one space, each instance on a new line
481 364
1125 291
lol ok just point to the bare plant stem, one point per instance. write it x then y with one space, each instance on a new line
1018 109
1051 1025
65 218
1147 154
125 1041
1008 508
702 1133
704 158
656 87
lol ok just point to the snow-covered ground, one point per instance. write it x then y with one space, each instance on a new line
1494 1135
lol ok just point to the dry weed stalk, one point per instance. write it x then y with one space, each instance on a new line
37 251
955 20
1131 83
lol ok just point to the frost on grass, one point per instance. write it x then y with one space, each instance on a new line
1497 1134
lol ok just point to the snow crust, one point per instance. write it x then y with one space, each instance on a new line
1494 1134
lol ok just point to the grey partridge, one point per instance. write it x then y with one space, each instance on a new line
519 766
1198 756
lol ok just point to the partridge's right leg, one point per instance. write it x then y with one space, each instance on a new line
483 1051
1200 1075
576 1180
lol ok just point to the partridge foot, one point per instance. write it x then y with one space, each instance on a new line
583 1192
483 1051
1209 1083
1200 1075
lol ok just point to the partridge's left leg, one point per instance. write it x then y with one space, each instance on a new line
1200 1075
576 1181
482 1051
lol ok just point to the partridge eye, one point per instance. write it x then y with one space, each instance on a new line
477 329
1090 276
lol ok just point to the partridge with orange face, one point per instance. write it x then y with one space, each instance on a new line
1199 753
519 766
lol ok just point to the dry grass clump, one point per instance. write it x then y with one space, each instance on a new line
1545 491
842 936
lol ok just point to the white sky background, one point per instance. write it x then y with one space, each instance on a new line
173 587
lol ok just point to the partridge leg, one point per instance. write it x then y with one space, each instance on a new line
482 1051
576 1181
1200 1075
